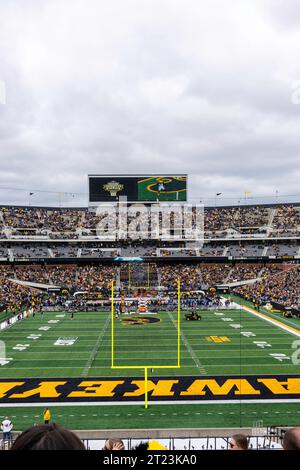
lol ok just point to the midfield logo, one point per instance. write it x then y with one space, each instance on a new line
137 320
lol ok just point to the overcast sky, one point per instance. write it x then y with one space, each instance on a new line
209 88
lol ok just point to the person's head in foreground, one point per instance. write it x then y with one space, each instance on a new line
238 442
291 439
151 445
114 444
47 437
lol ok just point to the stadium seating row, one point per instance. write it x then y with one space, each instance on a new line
268 283
219 222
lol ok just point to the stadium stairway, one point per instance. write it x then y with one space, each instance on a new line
264 252
10 254
270 221
228 276
238 283
225 251
261 272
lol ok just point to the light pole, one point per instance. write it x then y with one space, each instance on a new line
216 195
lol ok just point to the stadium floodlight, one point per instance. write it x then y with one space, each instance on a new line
149 366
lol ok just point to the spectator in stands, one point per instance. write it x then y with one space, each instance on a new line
47 415
143 445
114 444
151 445
47 437
155 445
238 442
281 287
291 439
275 283
6 427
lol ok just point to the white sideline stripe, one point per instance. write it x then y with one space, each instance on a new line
259 354
270 320
175 402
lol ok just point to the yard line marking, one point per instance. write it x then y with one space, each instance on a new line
94 352
189 348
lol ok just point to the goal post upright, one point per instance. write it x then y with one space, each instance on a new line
150 366
112 322
178 321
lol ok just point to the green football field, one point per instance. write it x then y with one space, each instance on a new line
224 343
175 189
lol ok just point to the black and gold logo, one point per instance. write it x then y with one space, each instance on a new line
139 320
232 389
113 187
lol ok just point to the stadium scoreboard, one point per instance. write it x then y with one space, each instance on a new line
137 188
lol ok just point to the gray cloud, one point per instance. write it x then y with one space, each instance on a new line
138 86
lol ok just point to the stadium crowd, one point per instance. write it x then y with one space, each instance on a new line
31 220
231 217
282 287
274 282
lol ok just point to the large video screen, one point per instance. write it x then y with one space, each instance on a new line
153 188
